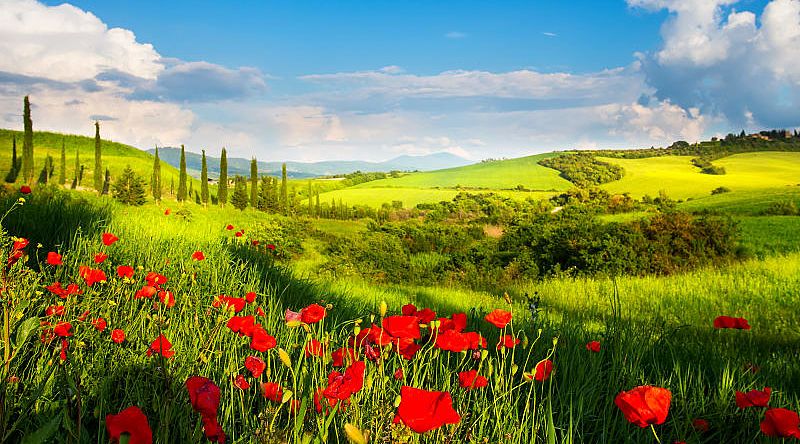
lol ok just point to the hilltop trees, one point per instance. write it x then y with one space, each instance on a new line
62 169
16 164
76 179
222 189
182 177
129 188
284 189
27 142
155 181
98 161
253 183
239 198
204 181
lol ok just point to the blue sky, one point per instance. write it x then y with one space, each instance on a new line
314 80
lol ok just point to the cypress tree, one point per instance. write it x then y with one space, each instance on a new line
172 186
253 183
204 181
310 202
182 177
98 161
106 183
284 190
239 198
317 206
155 183
62 169
222 189
191 183
76 178
13 172
264 193
27 142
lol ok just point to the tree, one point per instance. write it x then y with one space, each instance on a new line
284 190
310 201
27 142
222 189
98 161
239 198
129 188
182 177
47 170
62 169
106 183
204 181
253 182
76 178
172 186
155 181
317 209
265 190
13 172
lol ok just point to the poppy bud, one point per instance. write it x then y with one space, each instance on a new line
514 369
555 341
383 308
287 395
356 330
284 357
354 434
484 354
397 401
524 340
507 298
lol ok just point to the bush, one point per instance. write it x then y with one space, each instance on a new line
720 190
584 169
129 188
783 208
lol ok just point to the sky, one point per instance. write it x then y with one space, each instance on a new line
345 80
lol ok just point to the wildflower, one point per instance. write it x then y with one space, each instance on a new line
255 365
272 391
167 298
24 189
729 322
237 303
426 315
260 311
118 336
198 256
100 324
239 233
99 258
62 329
507 341
109 239
452 341
64 348
204 396
753 398
499 318
593 346
155 280
398 374
167 212
83 316
229 227
54 310
125 271
342 385
250 297
161 346
54 259
241 383
471 380
131 421
314 348
338 356
145 292
701 425
271 247
312 314
260 340
423 410
91 275
543 370
781 423
402 326
644 405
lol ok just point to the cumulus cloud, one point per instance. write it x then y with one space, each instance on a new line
729 63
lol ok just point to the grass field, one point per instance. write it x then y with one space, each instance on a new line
410 197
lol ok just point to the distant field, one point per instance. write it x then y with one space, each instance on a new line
410 197
680 179
748 202
503 174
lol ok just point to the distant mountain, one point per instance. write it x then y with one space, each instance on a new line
299 170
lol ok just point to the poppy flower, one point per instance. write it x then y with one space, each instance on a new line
145 292
64 348
229 227
781 423
271 247
471 380
99 258
125 271
543 370
167 212
167 298
54 259
753 398
254 243
406 347
83 316
239 233
593 346
426 315
155 280
100 324
62 329
24 189
499 318
452 341
260 311
312 314
198 256
457 322
54 310
398 374
319 397
342 385
644 405
272 391
260 340
161 346
244 325
131 421
109 239
314 348
507 341
701 425
255 365
474 339
91 275
338 356
204 396
729 322
292 316
237 303
423 410
402 326
250 297
241 383
118 336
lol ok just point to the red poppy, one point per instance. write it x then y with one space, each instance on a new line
342 385
507 341
109 239
161 346
243 325
319 397
543 370
457 322
260 312
499 318
54 310
423 410
125 271
250 297
398 374
644 405
62 329
91 275
131 421
145 292
475 340
54 258
237 303
729 322
167 298
314 348
229 227
64 348
118 336
254 243
312 314
292 316
167 212
471 380
155 280
99 258
593 346
24 189
753 398
701 425
271 247
406 347
204 396
255 365
239 233
241 383
198 256
338 356
100 324
83 316
781 423
452 341
260 340
272 391
402 326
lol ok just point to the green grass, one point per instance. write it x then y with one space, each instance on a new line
410 197
747 202
680 179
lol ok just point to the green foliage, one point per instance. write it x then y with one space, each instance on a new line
106 182
222 188
62 167
27 142
284 191
155 180
182 191
204 180
98 161
239 200
129 188
584 169
783 208
16 164
720 190
253 183
47 171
